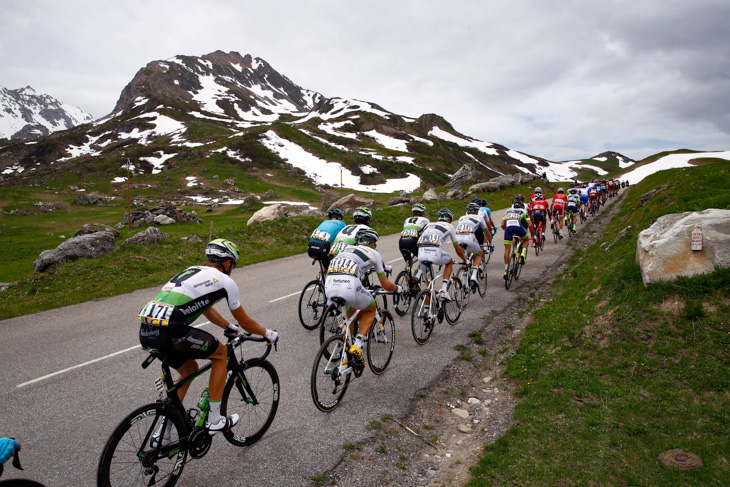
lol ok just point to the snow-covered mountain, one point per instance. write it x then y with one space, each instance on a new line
26 115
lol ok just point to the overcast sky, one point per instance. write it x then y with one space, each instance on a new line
561 80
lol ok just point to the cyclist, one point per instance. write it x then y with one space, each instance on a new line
430 247
540 212
412 229
535 196
593 197
583 193
166 324
362 216
573 206
9 447
515 222
486 214
322 237
468 229
558 209
344 281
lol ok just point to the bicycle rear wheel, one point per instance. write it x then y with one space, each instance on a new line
463 275
330 325
456 305
253 394
312 304
537 241
328 386
128 457
422 319
510 269
402 303
380 299
381 341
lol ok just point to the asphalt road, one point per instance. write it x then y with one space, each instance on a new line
71 374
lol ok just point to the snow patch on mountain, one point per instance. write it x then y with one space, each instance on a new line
671 161
485 147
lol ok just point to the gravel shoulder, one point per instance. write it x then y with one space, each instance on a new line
468 406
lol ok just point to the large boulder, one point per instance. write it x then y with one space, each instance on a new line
151 236
90 245
399 200
430 195
95 227
664 250
465 175
280 210
327 199
350 202
487 187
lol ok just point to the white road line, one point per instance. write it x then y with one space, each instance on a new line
89 362
394 260
284 297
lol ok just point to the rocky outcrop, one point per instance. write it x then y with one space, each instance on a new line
350 202
90 245
151 236
280 210
664 250
146 216
430 195
95 227
466 175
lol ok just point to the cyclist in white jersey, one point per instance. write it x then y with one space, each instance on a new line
430 247
166 324
466 234
344 281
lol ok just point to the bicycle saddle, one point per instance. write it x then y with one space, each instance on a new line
338 300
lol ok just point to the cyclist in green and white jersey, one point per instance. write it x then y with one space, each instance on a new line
430 247
166 323
467 230
362 216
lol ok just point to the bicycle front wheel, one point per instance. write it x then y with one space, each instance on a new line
128 458
312 304
253 394
423 317
328 384
454 307
402 303
482 279
463 275
381 341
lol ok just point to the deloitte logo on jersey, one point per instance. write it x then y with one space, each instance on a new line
195 307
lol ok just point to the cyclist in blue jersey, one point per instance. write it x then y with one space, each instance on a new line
9 447
322 237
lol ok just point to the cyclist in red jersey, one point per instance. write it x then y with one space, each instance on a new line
560 200
540 212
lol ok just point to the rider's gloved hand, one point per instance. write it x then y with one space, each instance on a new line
272 336
400 289
233 329
7 448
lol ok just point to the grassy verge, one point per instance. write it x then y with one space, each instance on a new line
136 267
612 373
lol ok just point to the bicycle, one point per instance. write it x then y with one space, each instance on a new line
582 214
411 286
539 238
138 453
515 262
569 223
334 366
312 300
465 272
430 308
556 228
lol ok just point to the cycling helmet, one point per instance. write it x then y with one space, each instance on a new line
367 235
220 249
477 200
519 205
445 214
561 190
419 208
520 197
538 190
334 213
472 207
573 191
362 213
483 202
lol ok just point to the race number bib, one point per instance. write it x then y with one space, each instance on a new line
337 248
409 233
342 265
156 314
430 240
321 236
463 229
513 223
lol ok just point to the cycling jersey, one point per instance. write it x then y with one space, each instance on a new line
431 242
559 202
466 232
412 228
516 221
345 272
188 295
345 237
573 203
539 210
322 237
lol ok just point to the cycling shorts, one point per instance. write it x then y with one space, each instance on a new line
479 234
348 288
178 343
572 209
514 231
434 255
584 199
471 242
538 216
408 245
318 250
593 196
558 209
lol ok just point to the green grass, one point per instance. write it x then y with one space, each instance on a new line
610 379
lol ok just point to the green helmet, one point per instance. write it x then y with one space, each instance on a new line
419 209
220 249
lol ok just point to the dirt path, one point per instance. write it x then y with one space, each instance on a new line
433 445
